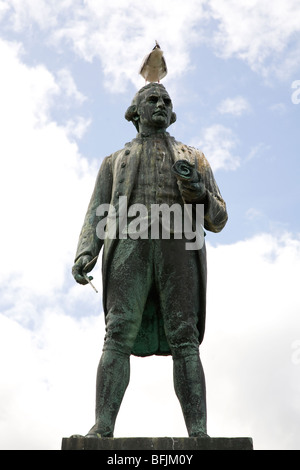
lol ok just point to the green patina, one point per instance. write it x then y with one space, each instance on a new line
154 293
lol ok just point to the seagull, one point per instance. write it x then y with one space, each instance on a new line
154 66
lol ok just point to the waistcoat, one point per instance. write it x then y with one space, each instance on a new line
155 184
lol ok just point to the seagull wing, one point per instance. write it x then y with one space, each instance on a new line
144 65
163 68
154 66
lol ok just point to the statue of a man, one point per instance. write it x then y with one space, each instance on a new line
154 289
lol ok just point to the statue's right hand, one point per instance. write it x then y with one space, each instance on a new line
78 269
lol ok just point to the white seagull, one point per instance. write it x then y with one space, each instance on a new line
154 66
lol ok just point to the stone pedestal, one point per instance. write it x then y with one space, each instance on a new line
172 445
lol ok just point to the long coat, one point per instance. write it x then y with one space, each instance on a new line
116 178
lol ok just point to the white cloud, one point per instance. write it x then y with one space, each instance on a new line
257 151
68 87
26 94
42 13
44 190
254 214
117 33
26 11
259 33
77 127
253 323
43 177
3 8
47 379
249 355
236 106
217 143
50 359
120 34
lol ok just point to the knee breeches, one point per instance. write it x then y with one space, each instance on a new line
138 266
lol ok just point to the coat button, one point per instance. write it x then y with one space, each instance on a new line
127 152
123 164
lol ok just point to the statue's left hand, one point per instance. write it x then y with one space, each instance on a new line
192 192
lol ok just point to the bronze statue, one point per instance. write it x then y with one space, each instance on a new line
154 288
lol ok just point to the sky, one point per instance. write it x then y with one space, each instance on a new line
69 70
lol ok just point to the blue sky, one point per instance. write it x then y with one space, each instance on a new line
69 70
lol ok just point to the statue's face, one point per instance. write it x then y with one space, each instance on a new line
154 109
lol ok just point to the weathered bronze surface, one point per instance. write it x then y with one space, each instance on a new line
177 444
154 290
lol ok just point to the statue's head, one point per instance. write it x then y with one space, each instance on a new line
151 108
